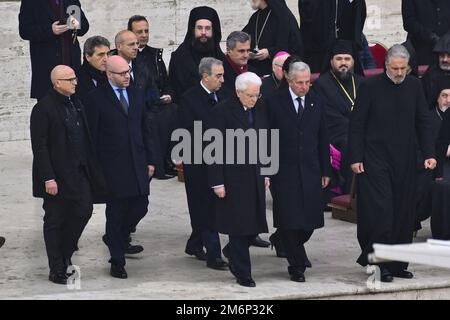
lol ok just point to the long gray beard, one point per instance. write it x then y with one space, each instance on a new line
445 66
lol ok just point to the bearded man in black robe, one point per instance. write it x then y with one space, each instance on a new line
390 112
202 40
338 88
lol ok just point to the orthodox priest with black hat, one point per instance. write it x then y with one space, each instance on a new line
338 86
390 112
202 40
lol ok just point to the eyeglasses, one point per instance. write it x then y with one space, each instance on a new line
279 65
124 73
70 79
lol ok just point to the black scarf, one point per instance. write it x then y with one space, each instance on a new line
99 76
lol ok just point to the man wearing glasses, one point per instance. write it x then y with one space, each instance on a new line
116 113
65 173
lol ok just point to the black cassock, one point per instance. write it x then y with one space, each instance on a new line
273 33
243 210
319 21
338 107
425 178
383 129
183 67
440 215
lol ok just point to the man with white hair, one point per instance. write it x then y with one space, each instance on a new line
304 171
390 112
240 209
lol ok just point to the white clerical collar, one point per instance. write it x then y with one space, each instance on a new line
206 89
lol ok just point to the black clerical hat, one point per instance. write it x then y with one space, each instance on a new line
343 47
440 84
207 13
443 45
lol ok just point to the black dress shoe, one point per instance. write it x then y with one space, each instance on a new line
386 275
164 177
200 254
275 242
217 264
403 274
106 242
58 277
246 282
118 272
2 241
258 242
134 249
298 277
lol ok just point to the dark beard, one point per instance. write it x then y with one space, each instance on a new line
203 47
344 75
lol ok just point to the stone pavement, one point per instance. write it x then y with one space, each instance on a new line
163 271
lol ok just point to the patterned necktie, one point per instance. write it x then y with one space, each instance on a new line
123 101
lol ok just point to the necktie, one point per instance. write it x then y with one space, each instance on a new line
213 98
300 107
123 101
250 117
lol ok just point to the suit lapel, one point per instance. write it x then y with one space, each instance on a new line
288 105
239 113
113 98
309 107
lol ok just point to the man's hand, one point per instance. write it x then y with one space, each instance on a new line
166 99
267 183
220 192
430 164
261 55
151 171
358 168
51 187
74 24
325 182
59 29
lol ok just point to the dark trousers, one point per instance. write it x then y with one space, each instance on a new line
205 238
122 216
239 255
64 222
163 120
293 242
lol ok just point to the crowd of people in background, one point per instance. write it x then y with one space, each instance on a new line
101 128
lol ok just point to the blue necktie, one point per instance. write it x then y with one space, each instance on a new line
250 117
123 101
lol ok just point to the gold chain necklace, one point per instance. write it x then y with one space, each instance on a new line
352 100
